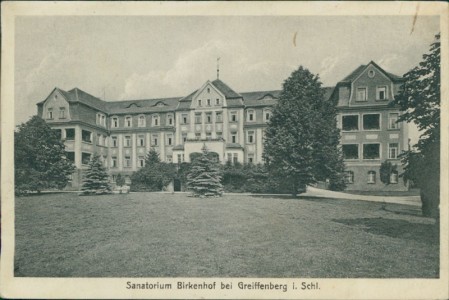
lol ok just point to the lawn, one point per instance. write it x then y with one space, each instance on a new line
172 235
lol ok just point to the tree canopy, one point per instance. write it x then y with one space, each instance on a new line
302 137
154 176
40 158
420 102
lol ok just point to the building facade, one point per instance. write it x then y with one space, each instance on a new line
231 124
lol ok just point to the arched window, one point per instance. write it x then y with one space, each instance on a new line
394 176
371 177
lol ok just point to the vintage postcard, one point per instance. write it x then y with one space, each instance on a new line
222 150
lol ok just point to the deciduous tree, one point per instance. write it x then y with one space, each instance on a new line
420 101
40 158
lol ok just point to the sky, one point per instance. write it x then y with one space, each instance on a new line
144 57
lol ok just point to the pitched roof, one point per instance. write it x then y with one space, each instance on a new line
359 70
143 105
225 89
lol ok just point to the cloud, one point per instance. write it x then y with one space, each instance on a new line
327 67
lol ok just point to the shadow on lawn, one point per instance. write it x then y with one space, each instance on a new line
423 233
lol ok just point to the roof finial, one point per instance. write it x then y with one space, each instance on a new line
218 68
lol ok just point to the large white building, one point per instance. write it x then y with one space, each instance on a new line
231 125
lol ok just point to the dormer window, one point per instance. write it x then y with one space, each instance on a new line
199 102
114 122
128 121
208 90
141 122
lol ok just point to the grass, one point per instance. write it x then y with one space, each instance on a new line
164 235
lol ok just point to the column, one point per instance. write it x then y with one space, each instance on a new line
77 147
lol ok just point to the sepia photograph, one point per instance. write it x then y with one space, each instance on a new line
230 155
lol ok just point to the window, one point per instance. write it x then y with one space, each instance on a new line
169 139
350 123
349 177
350 151
86 136
141 140
233 116
208 90
155 120
371 122
50 113
371 177
235 158
371 151
105 161
114 141
267 115
179 158
250 158
250 137
70 156
371 73
233 137
197 136
169 158
217 101
394 176
219 135
361 94
197 118
114 162
199 102
170 119
103 120
393 150
229 157
141 122
184 137
127 161
127 141
184 118
250 115
114 122
218 117
208 102
154 140
209 118
381 93
392 121
62 113
208 136
85 158
141 161
128 121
